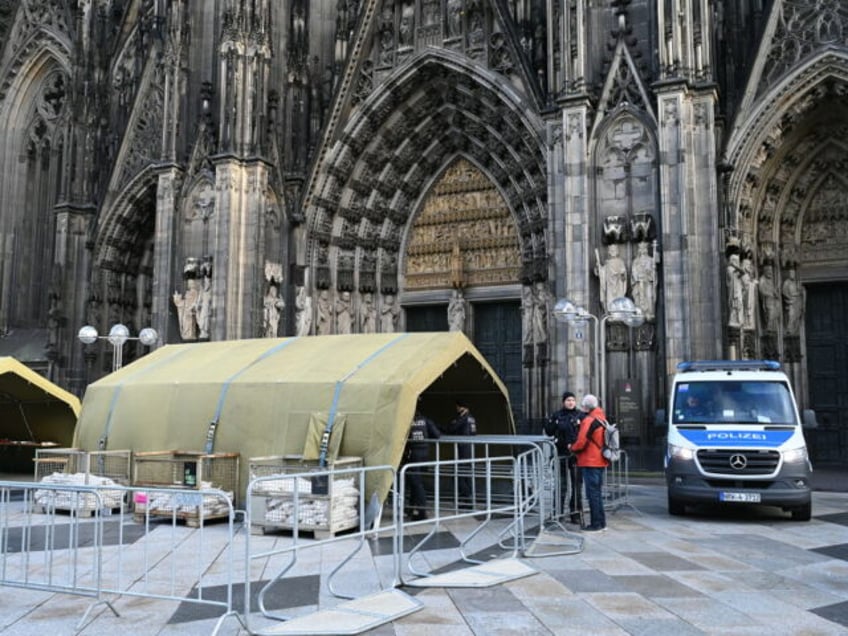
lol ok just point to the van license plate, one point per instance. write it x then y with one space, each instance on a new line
745 497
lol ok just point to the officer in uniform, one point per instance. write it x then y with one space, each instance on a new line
463 424
418 450
563 426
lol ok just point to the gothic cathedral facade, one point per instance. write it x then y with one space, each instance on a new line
224 169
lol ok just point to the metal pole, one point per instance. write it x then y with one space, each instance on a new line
603 363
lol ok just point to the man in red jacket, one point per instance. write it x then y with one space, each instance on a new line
590 460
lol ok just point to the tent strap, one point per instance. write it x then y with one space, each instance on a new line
325 438
104 438
213 424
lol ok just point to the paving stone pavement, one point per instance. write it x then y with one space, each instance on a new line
716 571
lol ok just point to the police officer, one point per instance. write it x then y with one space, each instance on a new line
463 424
417 450
563 426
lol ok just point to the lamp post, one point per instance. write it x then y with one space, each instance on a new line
118 336
621 309
567 311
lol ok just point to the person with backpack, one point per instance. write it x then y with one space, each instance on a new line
562 426
591 462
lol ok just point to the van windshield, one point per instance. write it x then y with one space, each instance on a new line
739 402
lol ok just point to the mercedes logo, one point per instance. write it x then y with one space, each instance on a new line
738 462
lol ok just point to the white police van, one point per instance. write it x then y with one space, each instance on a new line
734 437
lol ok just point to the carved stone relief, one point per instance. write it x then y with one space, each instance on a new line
464 236
824 234
803 27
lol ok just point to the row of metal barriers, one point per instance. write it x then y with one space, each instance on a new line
107 542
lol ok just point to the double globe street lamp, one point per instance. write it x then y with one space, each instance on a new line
621 309
118 336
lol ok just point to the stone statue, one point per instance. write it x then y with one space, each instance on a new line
204 302
303 316
541 309
456 311
643 279
527 307
389 313
272 307
454 21
324 318
613 276
793 303
769 299
344 313
749 294
367 314
735 292
187 309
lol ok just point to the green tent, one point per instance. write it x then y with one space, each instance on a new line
262 394
34 413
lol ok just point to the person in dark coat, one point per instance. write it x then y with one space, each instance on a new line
417 451
463 424
563 426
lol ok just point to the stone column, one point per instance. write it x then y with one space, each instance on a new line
72 262
572 253
239 254
688 186
164 249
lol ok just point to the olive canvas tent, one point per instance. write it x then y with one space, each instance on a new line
257 397
34 413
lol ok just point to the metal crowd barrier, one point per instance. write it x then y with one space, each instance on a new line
483 503
84 541
616 488
296 492
540 473
549 506
526 481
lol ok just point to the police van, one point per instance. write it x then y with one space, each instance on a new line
735 437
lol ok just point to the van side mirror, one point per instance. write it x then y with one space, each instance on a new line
808 419
659 418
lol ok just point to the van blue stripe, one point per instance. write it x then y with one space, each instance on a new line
738 438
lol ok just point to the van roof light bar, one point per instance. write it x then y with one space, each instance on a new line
728 365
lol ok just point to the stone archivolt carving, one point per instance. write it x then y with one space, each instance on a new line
824 233
464 211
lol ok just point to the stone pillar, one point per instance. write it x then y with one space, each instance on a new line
164 250
239 254
572 252
72 257
688 185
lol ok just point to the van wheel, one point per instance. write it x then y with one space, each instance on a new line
676 508
802 513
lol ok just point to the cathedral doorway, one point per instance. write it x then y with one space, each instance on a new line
463 267
497 335
827 368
